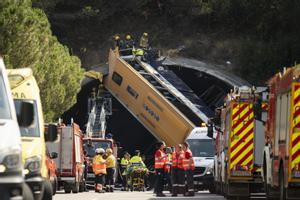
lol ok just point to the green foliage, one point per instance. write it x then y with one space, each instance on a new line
26 41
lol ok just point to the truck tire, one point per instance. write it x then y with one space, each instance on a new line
48 191
67 188
281 182
75 188
27 193
54 186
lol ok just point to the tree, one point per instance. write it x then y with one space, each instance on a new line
26 40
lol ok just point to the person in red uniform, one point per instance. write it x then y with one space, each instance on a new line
189 168
180 170
159 164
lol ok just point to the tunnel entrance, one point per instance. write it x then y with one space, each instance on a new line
126 129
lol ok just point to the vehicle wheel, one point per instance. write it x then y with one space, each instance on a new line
75 188
67 188
27 194
212 189
82 186
282 188
48 191
54 186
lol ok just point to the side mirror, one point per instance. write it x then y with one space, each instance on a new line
25 113
51 134
210 130
257 109
54 155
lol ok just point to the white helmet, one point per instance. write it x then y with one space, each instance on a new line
100 150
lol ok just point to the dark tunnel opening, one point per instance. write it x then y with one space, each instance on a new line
126 129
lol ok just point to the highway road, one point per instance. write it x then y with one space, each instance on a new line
118 195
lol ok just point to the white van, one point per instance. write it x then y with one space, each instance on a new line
11 169
203 148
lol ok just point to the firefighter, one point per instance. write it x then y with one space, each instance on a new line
124 165
117 42
177 171
180 170
137 159
189 167
129 42
167 167
110 168
144 41
99 169
160 158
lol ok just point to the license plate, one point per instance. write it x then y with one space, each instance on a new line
91 175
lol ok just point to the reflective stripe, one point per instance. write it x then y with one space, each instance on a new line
159 161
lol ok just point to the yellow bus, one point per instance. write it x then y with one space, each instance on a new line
150 102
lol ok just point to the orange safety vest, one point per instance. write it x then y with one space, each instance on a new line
180 159
98 166
174 160
159 161
167 166
188 163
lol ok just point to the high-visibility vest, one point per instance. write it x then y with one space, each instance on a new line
188 163
159 161
174 160
124 162
180 159
167 166
111 161
99 166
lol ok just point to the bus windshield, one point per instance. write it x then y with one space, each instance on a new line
202 147
4 105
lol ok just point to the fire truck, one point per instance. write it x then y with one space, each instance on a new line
281 165
239 145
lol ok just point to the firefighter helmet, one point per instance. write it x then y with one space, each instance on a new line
100 150
109 150
128 37
145 34
117 37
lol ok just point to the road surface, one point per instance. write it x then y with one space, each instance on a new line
118 195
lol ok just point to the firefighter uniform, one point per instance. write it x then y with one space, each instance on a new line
144 41
124 164
99 169
110 168
189 167
180 172
159 169
167 167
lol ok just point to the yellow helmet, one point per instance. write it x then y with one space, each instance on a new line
109 150
117 37
145 34
128 37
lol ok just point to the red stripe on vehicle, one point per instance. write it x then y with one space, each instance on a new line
245 157
242 119
241 109
295 141
296 154
242 139
241 150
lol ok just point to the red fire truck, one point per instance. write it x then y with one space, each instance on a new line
70 158
281 166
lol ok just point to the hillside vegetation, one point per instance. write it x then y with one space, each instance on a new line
26 40
259 37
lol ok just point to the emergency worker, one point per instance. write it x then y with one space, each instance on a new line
167 167
180 176
144 41
174 170
129 42
160 158
99 169
137 159
189 167
124 165
110 168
